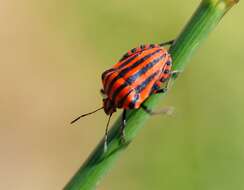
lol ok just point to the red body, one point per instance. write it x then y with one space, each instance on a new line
139 73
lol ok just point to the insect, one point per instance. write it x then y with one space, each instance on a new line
138 74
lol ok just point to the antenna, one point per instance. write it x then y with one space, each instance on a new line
85 115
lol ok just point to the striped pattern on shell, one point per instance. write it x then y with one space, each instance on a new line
139 73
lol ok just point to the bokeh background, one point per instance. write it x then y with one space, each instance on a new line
52 55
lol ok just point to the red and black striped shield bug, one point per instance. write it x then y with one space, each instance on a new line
138 74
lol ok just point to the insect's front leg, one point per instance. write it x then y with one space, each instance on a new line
122 127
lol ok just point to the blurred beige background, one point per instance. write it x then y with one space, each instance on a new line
52 55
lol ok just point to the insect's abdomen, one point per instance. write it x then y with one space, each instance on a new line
133 78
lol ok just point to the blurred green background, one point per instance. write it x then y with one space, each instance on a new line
52 56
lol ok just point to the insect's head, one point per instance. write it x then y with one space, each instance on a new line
108 106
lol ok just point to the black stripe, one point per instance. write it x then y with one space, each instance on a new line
155 87
168 63
106 72
129 53
142 71
140 88
143 85
118 90
127 61
122 100
133 102
121 66
126 70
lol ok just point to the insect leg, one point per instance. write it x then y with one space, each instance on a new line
106 135
167 43
166 110
162 90
173 74
122 127
146 109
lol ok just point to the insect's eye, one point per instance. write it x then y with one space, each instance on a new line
104 96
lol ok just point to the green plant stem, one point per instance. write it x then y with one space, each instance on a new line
203 21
